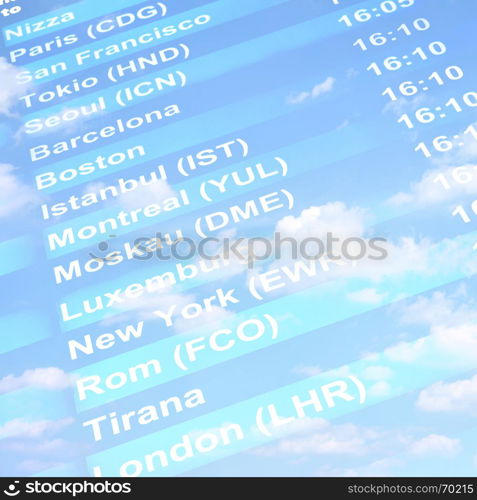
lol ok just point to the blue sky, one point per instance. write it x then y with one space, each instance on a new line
284 77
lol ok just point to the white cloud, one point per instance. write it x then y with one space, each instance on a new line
319 89
143 195
380 389
436 444
20 427
457 343
456 346
405 255
307 370
320 437
378 468
367 296
377 373
325 439
214 314
415 257
459 396
426 191
404 105
10 90
94 187
438 309
407 352
340 372
59 447
463 154
14 195
51 378
82 115
143 307
380 376
31 466
345 123
452 334
163 300
457 165
156 192
317 221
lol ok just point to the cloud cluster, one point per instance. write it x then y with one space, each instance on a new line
319 89
15 195
10 90
37 445
20 427
459 397
436 444
451 337
319 437
428 191
458 167
50 378
316 221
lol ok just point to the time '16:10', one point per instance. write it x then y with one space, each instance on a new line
410 88
379 39
444 143
428 115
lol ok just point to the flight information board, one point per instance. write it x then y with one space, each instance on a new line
238 238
